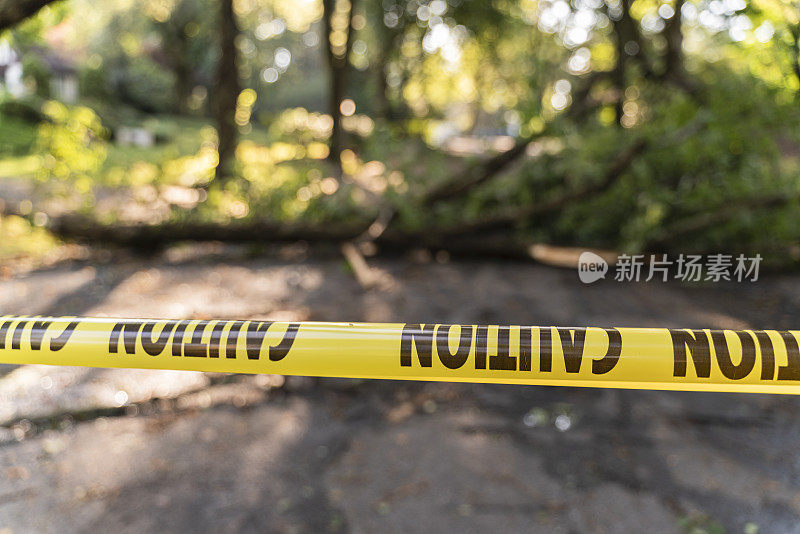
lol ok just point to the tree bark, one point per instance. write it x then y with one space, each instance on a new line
227 91
12 12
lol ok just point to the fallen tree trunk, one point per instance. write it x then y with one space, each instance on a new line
84 229
148 237
504 244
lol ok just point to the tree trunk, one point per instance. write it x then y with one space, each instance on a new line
383 105
628 46
335 97
337 58
618 74
227 91
183 73
175 49
794 30
386 36
673 59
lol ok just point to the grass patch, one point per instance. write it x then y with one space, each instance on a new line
19 167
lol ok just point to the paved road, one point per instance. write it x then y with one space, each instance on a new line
131 451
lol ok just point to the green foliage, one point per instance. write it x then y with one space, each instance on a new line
18 238
71 146
420 72
702 158
36 70
705 525
724 163
93 83
145 85
286 175
27 110
18 124
16 136
175 137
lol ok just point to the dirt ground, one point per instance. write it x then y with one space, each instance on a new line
87 450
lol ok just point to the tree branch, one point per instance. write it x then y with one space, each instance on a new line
12 12
458 185
620 164
515 215
478 174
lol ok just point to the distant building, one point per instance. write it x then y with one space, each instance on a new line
10 71
62 74
63 78
63 69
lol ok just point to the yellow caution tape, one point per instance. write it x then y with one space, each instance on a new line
755 361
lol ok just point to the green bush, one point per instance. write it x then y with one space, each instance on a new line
71 147
147 86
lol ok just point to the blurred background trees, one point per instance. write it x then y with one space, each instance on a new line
461 125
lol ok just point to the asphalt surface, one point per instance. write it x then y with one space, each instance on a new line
85 450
